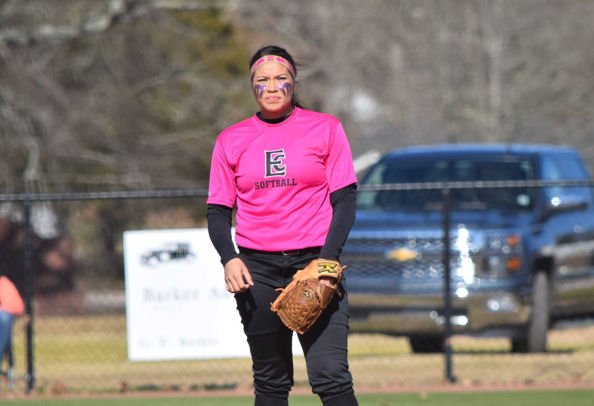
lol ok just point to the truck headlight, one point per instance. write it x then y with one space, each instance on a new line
502 255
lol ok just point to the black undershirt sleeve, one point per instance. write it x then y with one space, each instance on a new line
219 229
343 215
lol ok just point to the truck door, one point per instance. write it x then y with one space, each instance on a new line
572 226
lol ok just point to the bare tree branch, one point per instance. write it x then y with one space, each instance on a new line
117 11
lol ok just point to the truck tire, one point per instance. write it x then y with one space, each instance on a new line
428 344
534 336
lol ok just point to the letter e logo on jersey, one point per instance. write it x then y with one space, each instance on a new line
275 163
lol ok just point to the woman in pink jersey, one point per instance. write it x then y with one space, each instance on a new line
289 173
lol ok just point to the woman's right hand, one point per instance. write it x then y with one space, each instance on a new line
237 276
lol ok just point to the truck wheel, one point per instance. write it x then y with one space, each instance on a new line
534 335
426 344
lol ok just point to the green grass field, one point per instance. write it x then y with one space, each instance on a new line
507 398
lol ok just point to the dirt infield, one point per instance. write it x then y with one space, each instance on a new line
86 356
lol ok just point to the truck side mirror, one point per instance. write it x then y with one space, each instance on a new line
557 205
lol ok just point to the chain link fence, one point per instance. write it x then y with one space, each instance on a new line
65 254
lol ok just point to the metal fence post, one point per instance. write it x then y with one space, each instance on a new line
445 197
29 279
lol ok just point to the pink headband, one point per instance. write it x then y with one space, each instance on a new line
271 58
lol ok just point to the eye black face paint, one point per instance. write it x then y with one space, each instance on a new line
287 89
259 90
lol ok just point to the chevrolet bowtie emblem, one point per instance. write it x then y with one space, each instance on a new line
402 254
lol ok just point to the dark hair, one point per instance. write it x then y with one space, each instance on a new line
278 51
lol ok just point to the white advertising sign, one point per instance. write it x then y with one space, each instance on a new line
177 306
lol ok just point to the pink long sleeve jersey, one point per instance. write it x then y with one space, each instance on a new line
280 177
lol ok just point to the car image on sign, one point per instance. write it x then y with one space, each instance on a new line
168 252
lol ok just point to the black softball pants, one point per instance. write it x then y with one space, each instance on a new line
270 342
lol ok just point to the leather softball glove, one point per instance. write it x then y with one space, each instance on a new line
302 302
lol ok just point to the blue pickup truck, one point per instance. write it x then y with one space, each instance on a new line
521 258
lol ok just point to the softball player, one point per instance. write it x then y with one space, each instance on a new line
289 173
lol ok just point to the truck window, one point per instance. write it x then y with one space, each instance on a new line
431 169
565 167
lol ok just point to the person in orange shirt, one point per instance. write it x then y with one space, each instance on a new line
11 306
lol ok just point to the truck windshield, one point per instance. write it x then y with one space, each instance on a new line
399 170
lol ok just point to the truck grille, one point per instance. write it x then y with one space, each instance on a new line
405 259
409 270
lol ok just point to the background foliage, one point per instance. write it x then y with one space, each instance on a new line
130 94
107 94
